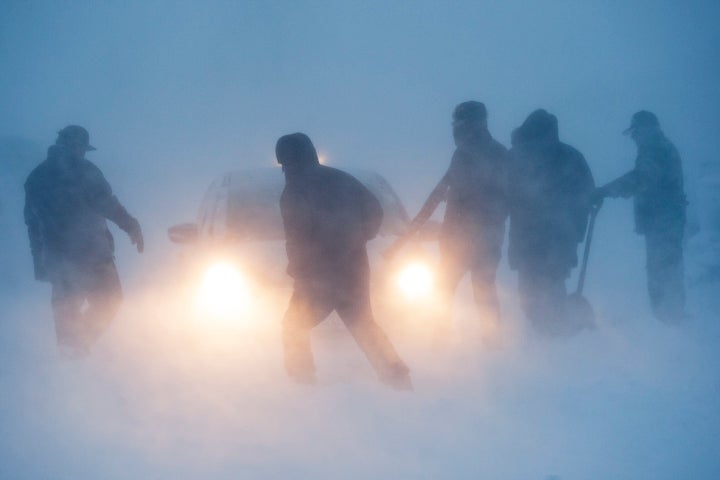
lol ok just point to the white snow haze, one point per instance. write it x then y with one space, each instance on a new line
175 93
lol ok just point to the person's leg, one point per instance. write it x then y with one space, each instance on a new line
307 308
356 313
452 270
665 275
485 292
675 279
555 306
485 252
529 293
487 303
67 303
653 260
543 298
483 271
104 298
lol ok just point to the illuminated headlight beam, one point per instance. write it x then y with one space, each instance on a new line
223 291
415 280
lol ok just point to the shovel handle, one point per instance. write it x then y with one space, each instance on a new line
586 253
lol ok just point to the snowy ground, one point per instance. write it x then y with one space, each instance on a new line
167 397
174 93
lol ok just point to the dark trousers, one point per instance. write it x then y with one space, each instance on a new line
85 299
312 302
543 297
665 274
482 274
477 254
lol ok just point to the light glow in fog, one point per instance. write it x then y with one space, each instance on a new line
223 291
415 280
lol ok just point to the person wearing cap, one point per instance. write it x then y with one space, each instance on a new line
656 185
473 228
550 200
328 217
67 203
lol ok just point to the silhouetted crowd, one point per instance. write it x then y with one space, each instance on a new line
541 187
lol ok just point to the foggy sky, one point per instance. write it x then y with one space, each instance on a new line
169 89
174 93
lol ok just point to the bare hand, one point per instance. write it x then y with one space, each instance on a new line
136 237
138 241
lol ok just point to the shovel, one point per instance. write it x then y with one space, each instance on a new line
579 312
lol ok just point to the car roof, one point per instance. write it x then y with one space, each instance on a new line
245 204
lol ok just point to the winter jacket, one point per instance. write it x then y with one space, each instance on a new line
67 202
328 216
656 183
550 197
476 194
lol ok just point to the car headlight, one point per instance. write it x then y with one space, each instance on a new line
415 280
223 291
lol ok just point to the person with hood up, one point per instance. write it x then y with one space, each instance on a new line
656 185
473 227
550 200
328 217
67 203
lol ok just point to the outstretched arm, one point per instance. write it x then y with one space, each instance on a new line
100 196
436 196
625 186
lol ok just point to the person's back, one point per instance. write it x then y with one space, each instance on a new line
329 217
551 187
550 198
660 198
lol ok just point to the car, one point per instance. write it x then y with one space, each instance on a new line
234 253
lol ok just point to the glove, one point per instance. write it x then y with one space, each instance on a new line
136 236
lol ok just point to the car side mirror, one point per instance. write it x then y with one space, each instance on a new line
184 233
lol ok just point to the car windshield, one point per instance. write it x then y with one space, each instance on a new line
245 204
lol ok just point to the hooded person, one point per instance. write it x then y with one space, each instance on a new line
328 217
67 205
550 199
656 185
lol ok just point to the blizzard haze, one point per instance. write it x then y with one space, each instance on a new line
176 93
